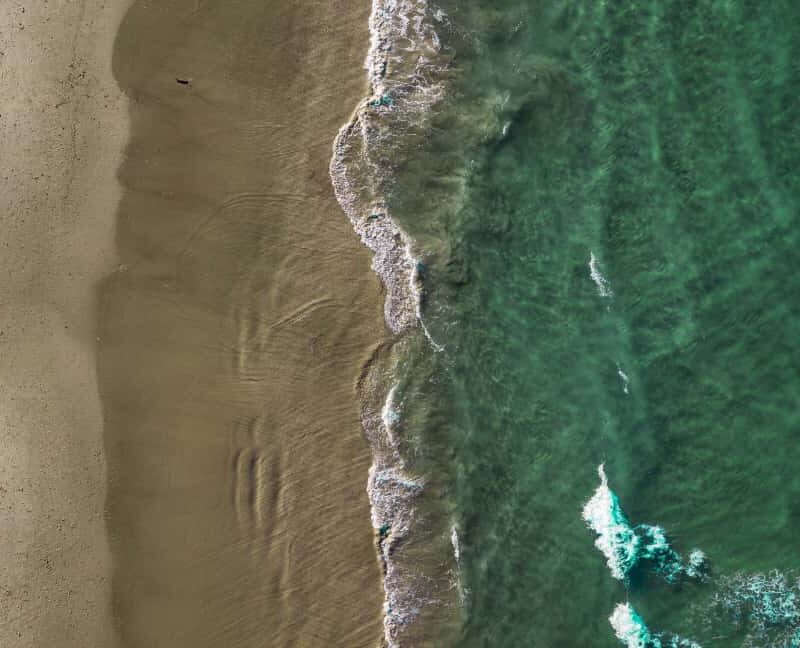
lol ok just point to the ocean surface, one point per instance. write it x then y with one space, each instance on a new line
600 206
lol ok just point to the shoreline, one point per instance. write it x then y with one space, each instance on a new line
402 93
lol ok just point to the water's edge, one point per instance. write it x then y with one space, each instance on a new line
403 90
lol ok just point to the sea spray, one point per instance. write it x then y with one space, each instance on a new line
632 631
626 547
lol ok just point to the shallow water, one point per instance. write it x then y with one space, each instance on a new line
607 209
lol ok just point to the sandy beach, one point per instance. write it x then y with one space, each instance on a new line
185 313
63 125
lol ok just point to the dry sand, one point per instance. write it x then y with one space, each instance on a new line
234 310
63 125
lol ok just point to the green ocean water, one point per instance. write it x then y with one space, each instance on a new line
662 139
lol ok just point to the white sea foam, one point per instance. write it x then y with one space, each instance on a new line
629 627
765 605
389 415
625 546
624 377
403 89
392 493
632 631
415 282
603 287
456 544
616 538
697 566
401 67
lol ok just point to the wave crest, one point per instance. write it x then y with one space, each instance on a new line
626 547
632 631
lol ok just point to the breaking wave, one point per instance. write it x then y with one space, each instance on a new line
632 631
627 547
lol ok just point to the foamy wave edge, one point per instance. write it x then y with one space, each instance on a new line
403 90
413 94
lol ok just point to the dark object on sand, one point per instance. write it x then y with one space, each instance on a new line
183 81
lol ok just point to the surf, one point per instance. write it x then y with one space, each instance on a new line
627 547
633 632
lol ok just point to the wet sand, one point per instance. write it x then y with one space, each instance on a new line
63 125
233 332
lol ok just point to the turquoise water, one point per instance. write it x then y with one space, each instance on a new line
607 208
